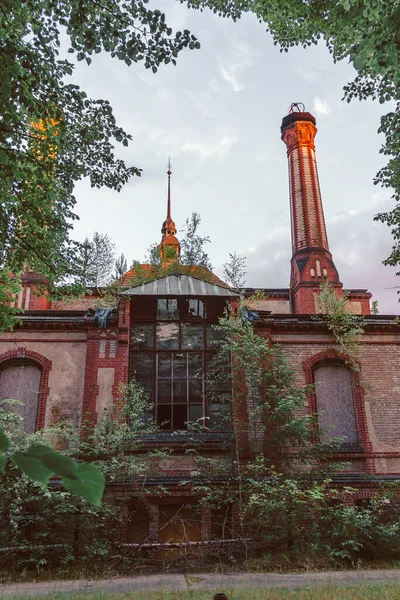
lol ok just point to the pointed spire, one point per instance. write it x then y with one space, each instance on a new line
169 247
168 227
169 188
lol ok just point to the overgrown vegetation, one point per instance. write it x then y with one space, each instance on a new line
50 527
283 490
345 326
269 490
52 134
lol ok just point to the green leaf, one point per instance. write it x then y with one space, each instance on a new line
32 466
91 484
4 441
3 462
61 465
54 461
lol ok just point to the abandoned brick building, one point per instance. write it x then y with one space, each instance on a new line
61 360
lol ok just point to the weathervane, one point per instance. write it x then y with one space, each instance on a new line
296 107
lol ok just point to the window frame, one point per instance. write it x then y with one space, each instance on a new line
330 357
352 446
204 322
23 355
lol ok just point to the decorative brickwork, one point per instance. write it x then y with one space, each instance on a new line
311 262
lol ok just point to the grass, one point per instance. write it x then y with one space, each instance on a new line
362 592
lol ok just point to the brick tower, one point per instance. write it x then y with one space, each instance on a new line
311 262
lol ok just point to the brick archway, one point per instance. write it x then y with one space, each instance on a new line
330 357
44 364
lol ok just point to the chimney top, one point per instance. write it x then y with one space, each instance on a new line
292 117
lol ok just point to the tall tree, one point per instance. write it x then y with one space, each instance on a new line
51 133
366 33
193 245
153 254
84 263
234 271
121 267
96 261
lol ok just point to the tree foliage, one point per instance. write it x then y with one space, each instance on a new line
51 133
283 489
57 523
120 267
96 261
193 245
234 271
364 32
261 377
39 462
345 326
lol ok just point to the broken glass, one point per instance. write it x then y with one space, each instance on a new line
167 336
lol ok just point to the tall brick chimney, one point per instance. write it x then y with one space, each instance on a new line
311 262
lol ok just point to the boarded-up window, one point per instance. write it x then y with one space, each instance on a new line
335 405
22 382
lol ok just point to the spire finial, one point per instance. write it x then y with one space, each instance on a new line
296 107
169 247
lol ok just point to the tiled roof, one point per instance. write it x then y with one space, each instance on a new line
83 303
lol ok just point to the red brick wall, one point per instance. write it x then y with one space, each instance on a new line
376 389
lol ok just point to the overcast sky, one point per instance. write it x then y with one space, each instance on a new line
218 115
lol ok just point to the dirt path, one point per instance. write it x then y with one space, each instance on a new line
204 581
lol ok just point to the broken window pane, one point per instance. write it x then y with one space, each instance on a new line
167 336
164 416
167 309
217 374
194 308
180 416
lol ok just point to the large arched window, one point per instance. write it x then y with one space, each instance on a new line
21 381
335 402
